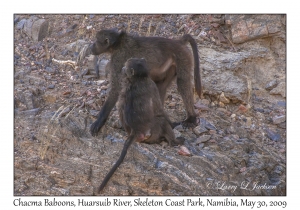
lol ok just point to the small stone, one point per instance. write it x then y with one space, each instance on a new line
172 104
281 103
184 151
20 24
223 99
16 19
233 116
271 85
176 133
280 89
94 112
84 72
66 93
243 169
221 104
213 132
199 129
100 82
200 106
50 70
52 86
248 121
202 139
201 145
282 150
273 135
242 108
206 124
65 111
205 102
49 98
278 119
179 128
104 87
223 111
282 125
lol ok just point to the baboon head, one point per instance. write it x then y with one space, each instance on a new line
106 40
135 67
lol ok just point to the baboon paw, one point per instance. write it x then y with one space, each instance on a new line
190 123
94 129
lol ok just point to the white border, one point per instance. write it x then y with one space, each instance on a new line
153 6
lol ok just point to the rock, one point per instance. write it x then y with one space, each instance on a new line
84 72
200 106
172 105
206 124
100 82
223 99
199 129
184 151
223 110
205 102
89 76
248 121
249 27
202 139
278 119
35 28
16 18
221 104
64 112
94 112
51 86
281 103
50 70
242 108
233 116
280 90
27 113
176 133
49 98
77 46
179 128
273 135
20 24
271 85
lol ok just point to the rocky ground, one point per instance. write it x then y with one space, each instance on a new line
240 139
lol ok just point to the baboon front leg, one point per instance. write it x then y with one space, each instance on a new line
104 112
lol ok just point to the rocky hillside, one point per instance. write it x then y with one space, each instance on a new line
238 148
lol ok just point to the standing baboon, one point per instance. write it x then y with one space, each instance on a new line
167 59
141 111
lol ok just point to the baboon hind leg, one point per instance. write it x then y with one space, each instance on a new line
184 86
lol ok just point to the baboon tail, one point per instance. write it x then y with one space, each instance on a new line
118 163
197 76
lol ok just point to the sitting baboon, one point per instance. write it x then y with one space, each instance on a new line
141 111
167 59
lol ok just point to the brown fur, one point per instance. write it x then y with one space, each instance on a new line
167 60
141 111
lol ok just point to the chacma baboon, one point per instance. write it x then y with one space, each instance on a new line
167 59
141 111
